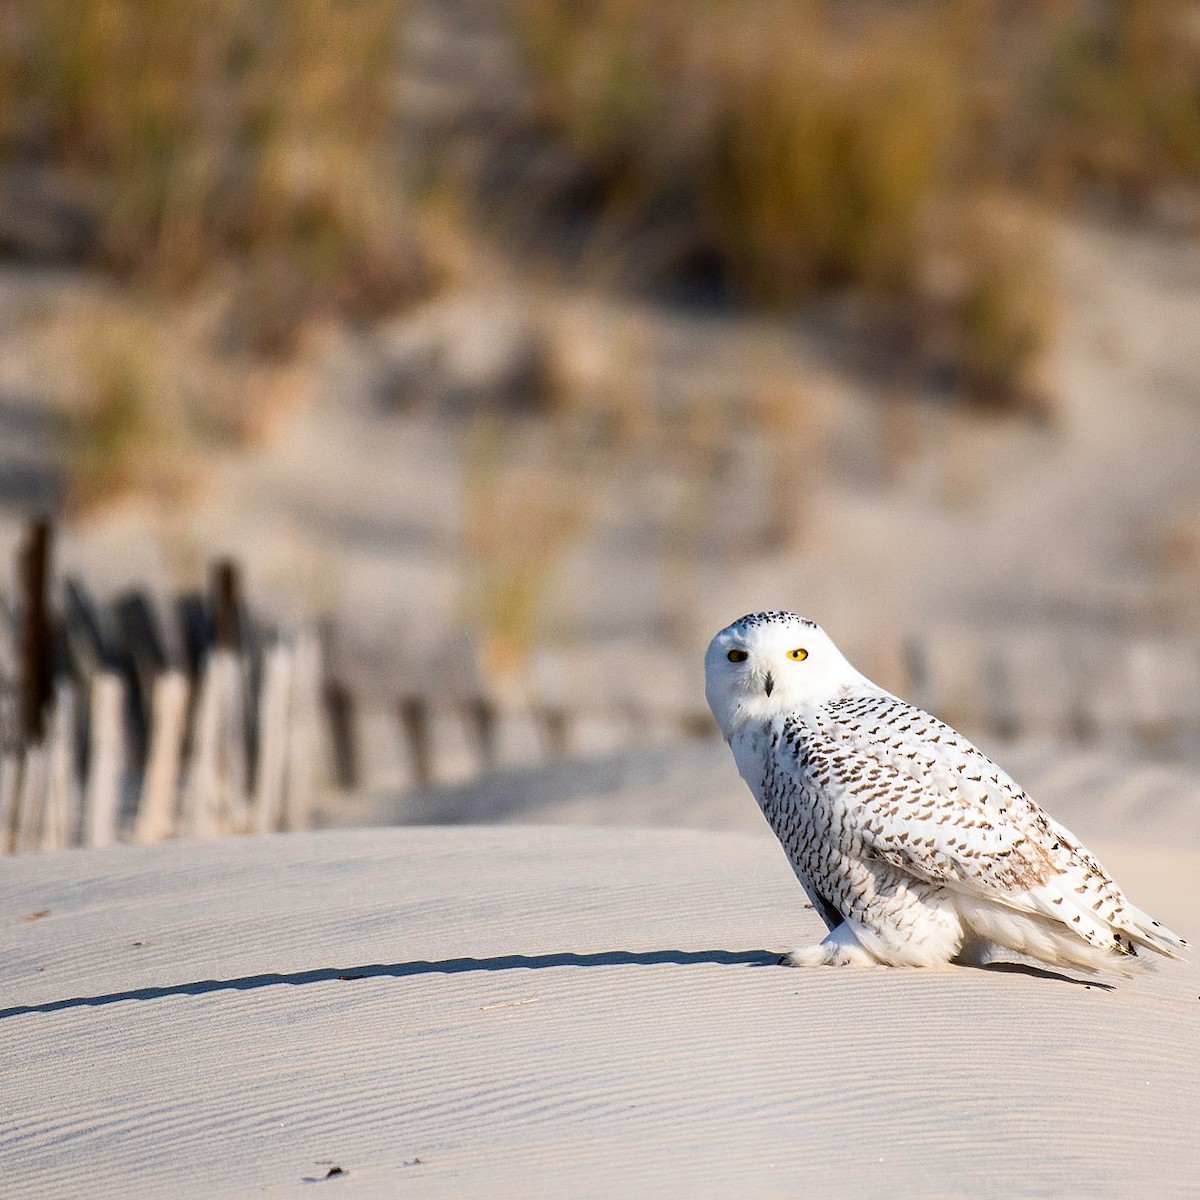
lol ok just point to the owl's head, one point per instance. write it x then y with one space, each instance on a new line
767 663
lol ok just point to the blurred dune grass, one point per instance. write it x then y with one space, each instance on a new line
899 153
1127 90
529 492
806 158
215 143
228 167
886 166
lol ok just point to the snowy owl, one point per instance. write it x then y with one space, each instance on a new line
913 846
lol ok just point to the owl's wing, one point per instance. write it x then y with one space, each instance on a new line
915 793
923 798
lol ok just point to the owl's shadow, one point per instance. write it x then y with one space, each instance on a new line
400 970
459 966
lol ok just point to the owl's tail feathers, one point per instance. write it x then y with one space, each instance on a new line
1044 937
1154 935
1102 918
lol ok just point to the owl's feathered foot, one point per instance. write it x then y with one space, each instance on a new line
840 949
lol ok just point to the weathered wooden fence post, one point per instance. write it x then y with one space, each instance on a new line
36 660
96 664
215 793
32 794
107 749
307 764
164 758
62 812
275 704
10 777
413 712
33 568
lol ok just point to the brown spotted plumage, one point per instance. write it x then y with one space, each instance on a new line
913 846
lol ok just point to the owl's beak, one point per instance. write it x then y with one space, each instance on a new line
769 683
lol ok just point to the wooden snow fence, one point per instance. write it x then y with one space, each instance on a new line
412 740
119 723
138 721
1125 693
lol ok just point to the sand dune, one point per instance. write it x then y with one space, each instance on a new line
534 1012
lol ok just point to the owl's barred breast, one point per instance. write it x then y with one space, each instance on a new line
798 767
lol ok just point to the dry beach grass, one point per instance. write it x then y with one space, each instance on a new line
238 176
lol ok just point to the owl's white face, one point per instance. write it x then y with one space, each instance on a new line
768 663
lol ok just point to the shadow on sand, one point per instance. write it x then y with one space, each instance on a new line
445 966
1013 968
462 966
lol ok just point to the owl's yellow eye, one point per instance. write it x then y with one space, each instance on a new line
737 656
797 655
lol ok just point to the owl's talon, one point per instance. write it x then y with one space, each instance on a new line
839 949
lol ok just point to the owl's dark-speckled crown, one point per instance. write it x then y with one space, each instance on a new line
750 620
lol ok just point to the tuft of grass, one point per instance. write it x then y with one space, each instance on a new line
808 153
1005 311
818 161
126 429
527 498
1126 93
988 305
803 151
807 147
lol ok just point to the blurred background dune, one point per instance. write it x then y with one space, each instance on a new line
527 342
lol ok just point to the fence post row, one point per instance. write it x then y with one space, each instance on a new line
116 724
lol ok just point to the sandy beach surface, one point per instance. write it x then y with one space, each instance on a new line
544 1011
